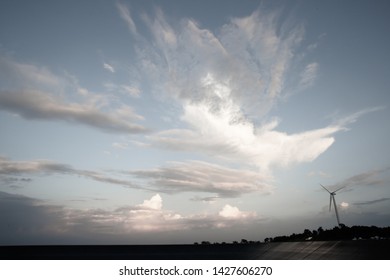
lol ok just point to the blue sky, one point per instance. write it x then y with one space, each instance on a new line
181 121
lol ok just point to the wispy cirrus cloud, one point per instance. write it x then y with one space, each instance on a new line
10 167
352 118
109 67
36 93
122 146
177 177
198 176
29 76
309 75
125 14
13 182
365 179
130 90
370 202
247 55
41 106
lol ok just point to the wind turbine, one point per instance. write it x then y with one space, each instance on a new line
332 194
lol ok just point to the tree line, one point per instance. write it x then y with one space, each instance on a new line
341 232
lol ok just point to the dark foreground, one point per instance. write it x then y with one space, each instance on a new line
315 250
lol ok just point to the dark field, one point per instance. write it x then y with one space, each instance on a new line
315 250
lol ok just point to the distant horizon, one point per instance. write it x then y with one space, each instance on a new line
160 122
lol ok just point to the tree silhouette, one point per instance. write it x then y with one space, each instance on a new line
341 232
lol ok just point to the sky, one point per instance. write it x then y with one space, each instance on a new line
160 122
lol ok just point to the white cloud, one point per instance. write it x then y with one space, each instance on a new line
344 204
232 212
154 203
227 134
126 16
109 67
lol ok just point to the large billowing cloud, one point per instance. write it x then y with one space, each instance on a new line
219 135
264 146
26 220
36 93
226 81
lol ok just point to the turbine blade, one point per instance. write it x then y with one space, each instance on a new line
330 203
339 189
325 188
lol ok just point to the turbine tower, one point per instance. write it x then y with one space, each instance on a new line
332 194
